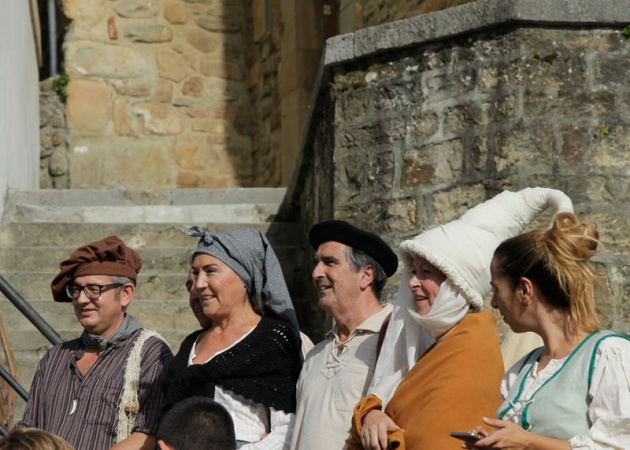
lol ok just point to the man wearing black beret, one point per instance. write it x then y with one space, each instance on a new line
350 269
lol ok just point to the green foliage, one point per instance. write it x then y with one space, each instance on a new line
603 131
626 32
61 86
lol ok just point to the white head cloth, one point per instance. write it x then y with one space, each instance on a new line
462 250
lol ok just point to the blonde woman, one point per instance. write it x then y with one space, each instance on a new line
574 392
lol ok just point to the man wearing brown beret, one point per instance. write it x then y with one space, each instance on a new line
351 267
103 390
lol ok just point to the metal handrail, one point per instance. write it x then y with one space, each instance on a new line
25 308
13 383
38 321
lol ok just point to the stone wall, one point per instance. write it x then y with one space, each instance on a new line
416 122
54 158
158 95
264 61
358 14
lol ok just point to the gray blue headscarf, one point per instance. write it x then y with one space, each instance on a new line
250 256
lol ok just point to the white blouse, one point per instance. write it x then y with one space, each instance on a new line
609 410
251 419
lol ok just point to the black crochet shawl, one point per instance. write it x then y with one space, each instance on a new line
263 367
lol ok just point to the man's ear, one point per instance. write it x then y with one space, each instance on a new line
126 294
164 446
368 277
525 291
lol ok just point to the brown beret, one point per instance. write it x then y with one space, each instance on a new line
109 256
345 233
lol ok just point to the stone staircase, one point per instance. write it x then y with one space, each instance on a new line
41 228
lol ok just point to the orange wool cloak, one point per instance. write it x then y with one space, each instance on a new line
450 388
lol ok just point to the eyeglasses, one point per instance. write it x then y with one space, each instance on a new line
91 291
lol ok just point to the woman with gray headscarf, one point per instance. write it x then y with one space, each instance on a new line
248 358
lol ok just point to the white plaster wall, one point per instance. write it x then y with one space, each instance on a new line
19 99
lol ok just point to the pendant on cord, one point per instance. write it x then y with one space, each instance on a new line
75 402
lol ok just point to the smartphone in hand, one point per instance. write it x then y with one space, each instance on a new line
466 436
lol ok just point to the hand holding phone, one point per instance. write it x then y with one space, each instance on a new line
466 436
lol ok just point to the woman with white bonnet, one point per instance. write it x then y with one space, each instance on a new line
440 365
247 358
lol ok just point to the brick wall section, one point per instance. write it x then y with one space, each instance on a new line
426 131
158 94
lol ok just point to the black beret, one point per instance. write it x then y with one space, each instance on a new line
343 232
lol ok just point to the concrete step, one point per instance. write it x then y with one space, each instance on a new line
125 197
151 286
159 315
163 259
136 235
234 206
230 214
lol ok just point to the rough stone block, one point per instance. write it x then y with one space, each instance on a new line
192 152
570 102
87 105
150 34
353 105
369 134
462 117
528 148
433 164
479 154
45 140
381 216
193 87
230 70
574 143
440 85
611 71
390 96
175 14
171 65
423 126
86 58
556 69
133 88
448 205
612 228
164 92
209 125
111 162
58 163
611 146
204 41
85 12
135 9
219 24
159 119
121 117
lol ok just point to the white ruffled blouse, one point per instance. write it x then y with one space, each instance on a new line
609 410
